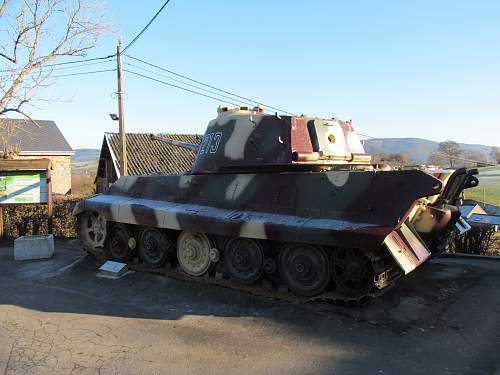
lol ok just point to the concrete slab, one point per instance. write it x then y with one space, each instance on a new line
34 247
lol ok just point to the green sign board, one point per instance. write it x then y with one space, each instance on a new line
23 187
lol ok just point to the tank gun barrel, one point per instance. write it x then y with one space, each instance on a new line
189 146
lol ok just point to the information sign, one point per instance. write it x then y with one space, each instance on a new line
23 187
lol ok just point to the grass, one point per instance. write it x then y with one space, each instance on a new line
486 194
488 190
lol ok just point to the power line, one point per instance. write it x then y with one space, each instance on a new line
80 65
84 60
44 68
182 82
210 86
146 27
179 87
75 74
463 159
83 73
366 136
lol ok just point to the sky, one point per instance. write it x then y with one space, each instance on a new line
426 69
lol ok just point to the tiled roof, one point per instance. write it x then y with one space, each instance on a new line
44 139
145 156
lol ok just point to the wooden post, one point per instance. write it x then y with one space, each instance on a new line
121 115
1 223
49 201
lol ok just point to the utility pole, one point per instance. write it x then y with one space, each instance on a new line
121 116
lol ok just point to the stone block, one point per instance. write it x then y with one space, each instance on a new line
34 247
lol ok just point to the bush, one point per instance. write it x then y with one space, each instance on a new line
31 219
477 241
83 184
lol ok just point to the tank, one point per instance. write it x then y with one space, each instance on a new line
291 203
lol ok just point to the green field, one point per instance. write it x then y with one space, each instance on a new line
488 190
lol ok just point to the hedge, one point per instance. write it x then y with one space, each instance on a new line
31 219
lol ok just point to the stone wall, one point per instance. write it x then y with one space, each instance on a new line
61 172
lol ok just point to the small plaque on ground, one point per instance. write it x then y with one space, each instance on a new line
113 269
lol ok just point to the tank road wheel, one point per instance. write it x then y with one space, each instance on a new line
120 243
195 253
352 271
92 229
304 269
244 260
154 247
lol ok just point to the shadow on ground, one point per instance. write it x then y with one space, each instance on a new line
429 321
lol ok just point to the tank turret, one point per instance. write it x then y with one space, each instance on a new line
244 139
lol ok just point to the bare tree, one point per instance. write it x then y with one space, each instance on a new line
34 34
447 152
495 155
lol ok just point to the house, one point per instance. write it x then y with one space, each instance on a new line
41 141
144 156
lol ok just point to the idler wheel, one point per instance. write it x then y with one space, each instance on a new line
193 253
352 271
244 260
120 244
92 229
304 269
154 247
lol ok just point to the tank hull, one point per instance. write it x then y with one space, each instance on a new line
350 233
334 208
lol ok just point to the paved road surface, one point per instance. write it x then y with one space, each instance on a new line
56 317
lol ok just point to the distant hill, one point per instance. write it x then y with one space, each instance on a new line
419 149
85 160
85 155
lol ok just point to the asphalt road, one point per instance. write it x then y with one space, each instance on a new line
56 317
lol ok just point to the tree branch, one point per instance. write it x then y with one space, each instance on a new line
42 31
3 7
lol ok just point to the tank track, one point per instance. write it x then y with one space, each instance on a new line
270 286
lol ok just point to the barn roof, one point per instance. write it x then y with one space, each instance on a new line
145 156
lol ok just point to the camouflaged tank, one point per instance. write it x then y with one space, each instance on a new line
280 201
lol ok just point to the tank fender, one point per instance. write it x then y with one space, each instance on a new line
79 208
407 248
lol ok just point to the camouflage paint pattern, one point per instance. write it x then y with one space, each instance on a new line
329 208
290 178
249 140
